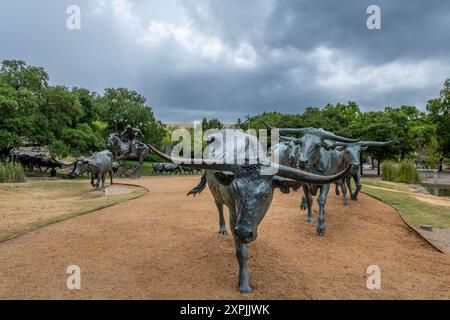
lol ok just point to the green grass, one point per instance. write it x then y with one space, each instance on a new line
10 173
414 211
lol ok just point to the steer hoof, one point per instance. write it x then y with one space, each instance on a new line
223 232
245 289
320 230
309 220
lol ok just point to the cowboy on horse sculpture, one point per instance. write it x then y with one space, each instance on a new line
127 146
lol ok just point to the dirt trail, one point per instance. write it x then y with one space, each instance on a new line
165 245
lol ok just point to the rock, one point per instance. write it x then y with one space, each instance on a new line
114 190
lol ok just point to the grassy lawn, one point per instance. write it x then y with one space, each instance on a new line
25 207
146 168
415 208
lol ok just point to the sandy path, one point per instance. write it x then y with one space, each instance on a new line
164 245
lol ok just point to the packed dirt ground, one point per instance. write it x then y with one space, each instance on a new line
164 245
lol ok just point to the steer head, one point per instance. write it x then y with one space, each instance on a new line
292 149
352 151
310 141
251 186
81 166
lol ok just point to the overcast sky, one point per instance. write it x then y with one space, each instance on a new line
230 58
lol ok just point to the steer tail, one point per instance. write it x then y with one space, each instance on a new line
200 187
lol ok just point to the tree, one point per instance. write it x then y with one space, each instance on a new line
120 107
19 116
89 105
211 124
20 75
439 109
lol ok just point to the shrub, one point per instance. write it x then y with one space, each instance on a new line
408 172
404 171
10 172
389 170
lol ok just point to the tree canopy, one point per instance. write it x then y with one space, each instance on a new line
69 121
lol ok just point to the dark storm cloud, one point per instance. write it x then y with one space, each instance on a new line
231 58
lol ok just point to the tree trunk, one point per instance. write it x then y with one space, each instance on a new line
378 169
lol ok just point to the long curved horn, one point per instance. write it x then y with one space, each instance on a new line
376 143
298 131
67 164
338 138
194 163
303 176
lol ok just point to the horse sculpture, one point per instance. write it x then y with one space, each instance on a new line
121 151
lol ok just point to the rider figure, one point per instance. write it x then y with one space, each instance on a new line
132 135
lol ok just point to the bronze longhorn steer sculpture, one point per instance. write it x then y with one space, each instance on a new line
319 157
352 152
98 165
247 190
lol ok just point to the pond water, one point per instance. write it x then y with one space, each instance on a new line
438 191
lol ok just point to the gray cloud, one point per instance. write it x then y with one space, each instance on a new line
228 59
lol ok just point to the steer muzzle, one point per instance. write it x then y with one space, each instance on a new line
245 234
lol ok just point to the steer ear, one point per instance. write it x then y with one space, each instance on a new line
224 178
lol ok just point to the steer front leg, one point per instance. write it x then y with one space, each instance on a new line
321 200
348 181
222 227
99 182
241 255
358 186
344 193
308 202
92 180
337 184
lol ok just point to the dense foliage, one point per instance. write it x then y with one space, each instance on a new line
69 121
423 136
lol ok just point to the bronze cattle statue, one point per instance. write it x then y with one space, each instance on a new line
98 165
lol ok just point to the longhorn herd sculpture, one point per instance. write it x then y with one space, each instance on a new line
311 159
